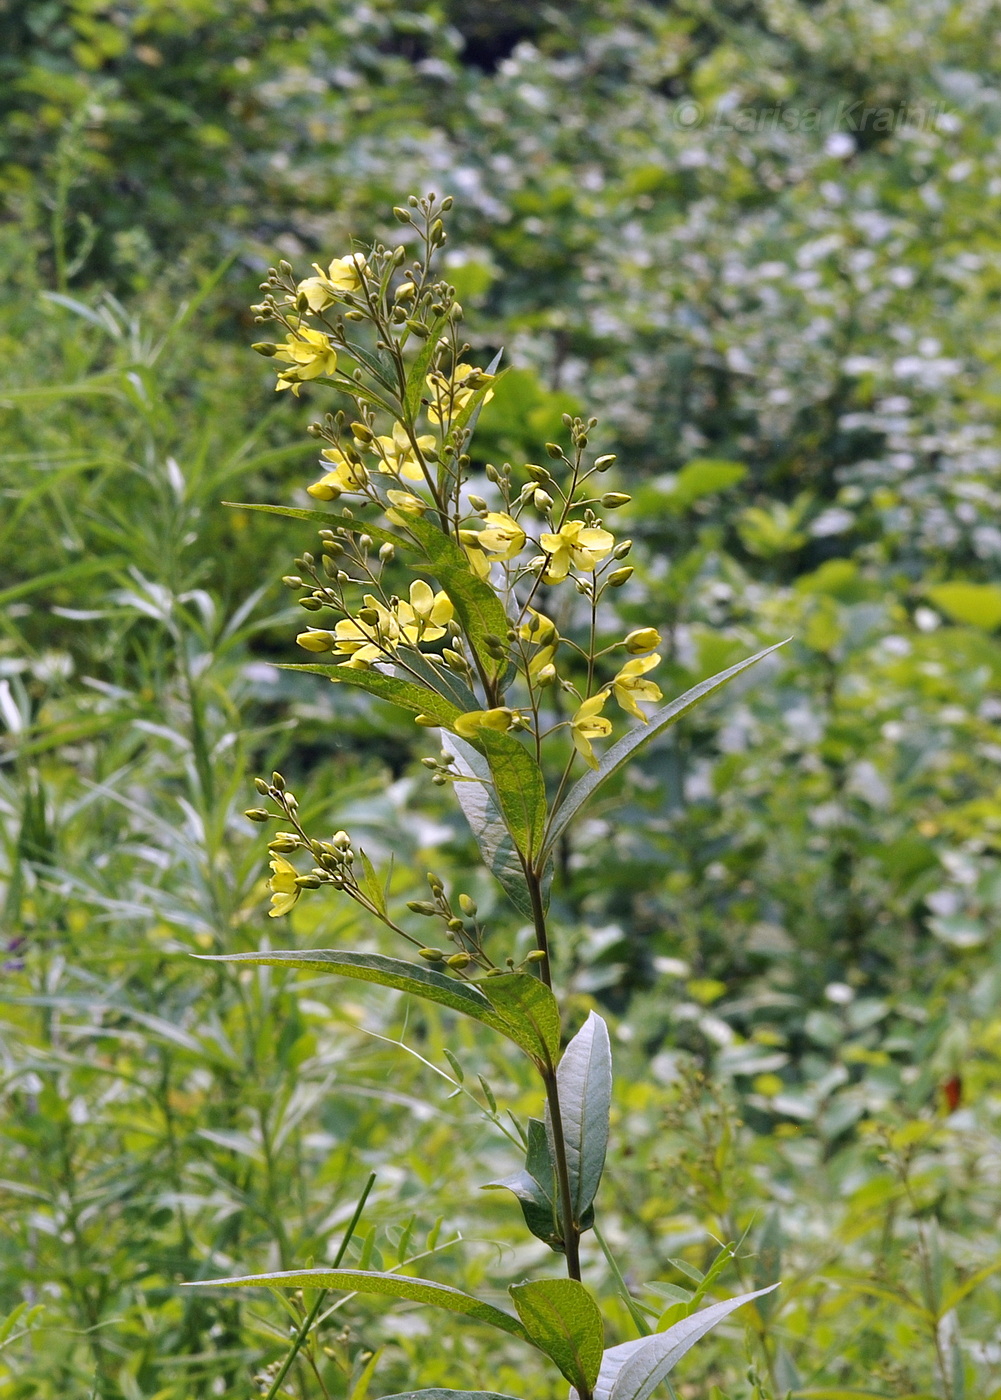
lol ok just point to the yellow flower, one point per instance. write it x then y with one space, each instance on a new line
542 660
367 639
629 687
478 561
450 396
587 724
343 275
468 725
404 504
346 476
503 537
424 618
309 354
397 453
283 887
642 639
583 546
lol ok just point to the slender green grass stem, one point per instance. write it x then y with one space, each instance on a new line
311 1316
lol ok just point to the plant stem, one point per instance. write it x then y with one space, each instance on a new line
571 1229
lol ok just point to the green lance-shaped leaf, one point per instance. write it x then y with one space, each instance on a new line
417 373
530 1008
535 1188
331 521
407 694
478 607
584 1081
415 1290
563 1320
626 748
414 978
520 788
646 1364
475 794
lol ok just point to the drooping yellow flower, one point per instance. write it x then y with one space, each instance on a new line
450 396
500 719
478 561
404 504
283 887
343 275
426 616
397 455
587 724
503 537
629 687
346 476
577 544
365 639
308 354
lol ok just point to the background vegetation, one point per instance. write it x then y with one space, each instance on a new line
788 327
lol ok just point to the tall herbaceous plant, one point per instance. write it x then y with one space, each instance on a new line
441 601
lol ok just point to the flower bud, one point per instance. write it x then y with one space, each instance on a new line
458 961
283 844
308 882
467 904
540 475
265 348
401 215
620 576
293 581
257 814
541 500
494 646
622 549
341 840
642 639
477 502
406 291
601 464
555 450
387 552
612 499
537 955
362 432
262 786
455 925
316 641
546 674
431 954
422 906
369 616
310 604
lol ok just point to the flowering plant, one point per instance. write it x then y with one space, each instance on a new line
495 645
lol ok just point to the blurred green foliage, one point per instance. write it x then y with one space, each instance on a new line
784 311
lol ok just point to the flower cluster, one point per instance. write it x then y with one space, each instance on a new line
483 641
